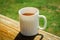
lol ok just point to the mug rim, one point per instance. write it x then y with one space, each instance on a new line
37 11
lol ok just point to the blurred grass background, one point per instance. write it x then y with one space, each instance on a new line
49 8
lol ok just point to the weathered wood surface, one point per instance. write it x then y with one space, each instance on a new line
10 28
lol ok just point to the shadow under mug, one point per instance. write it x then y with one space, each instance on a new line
22 37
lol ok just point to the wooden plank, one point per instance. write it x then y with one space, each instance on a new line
49 36
4 37
8 31
9 22
10 28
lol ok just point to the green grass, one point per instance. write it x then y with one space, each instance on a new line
49 8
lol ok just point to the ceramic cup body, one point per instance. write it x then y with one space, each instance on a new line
29 24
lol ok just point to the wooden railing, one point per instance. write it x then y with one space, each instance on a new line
10 28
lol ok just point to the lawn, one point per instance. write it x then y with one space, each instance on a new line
49 8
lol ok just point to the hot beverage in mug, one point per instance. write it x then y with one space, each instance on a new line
28 14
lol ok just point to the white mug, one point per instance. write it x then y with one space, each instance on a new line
29 24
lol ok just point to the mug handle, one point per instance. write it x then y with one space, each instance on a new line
45 22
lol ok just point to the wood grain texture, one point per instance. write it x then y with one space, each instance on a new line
10 28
